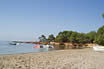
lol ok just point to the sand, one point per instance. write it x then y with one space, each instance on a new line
61 59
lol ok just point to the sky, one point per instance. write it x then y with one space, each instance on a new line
29 19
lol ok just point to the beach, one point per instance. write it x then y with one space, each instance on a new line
59 59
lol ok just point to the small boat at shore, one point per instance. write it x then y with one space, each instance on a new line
50 46
14 43
36 46
43 46
98 48
17 43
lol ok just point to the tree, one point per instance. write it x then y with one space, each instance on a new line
73 37
42 38
100 36
78 38
51 38
82 38
103 15
59 37
91 36
63 36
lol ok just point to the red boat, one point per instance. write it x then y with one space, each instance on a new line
36 46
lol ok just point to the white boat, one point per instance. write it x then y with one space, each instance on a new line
98 48
17 43
46 46
49 46
12 43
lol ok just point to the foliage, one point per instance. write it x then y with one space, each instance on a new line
91 36
79 38
103 15
100 36
63 36
42 38
73 37
59 37
82 38
51 38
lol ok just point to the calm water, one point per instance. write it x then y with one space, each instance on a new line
6 48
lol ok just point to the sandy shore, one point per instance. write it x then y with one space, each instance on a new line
62 59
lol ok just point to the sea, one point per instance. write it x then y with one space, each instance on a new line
6 48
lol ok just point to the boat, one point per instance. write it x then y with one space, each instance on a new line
48 46
51 46
17 43
98 48
12 43
36 46
43 46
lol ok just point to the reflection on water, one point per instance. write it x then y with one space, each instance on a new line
6 48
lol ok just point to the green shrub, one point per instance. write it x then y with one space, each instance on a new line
100 36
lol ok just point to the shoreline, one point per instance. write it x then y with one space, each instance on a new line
25 53
59 59
56 43
37 52
41 52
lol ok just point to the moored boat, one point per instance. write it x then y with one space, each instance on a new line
12 43
36 46
98 48
43 46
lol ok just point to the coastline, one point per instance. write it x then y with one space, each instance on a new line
26 53
60 59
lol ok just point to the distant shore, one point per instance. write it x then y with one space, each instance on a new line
60 59
62 45
55 43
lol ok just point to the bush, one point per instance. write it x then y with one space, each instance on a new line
100 36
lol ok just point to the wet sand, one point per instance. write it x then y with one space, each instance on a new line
60 59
